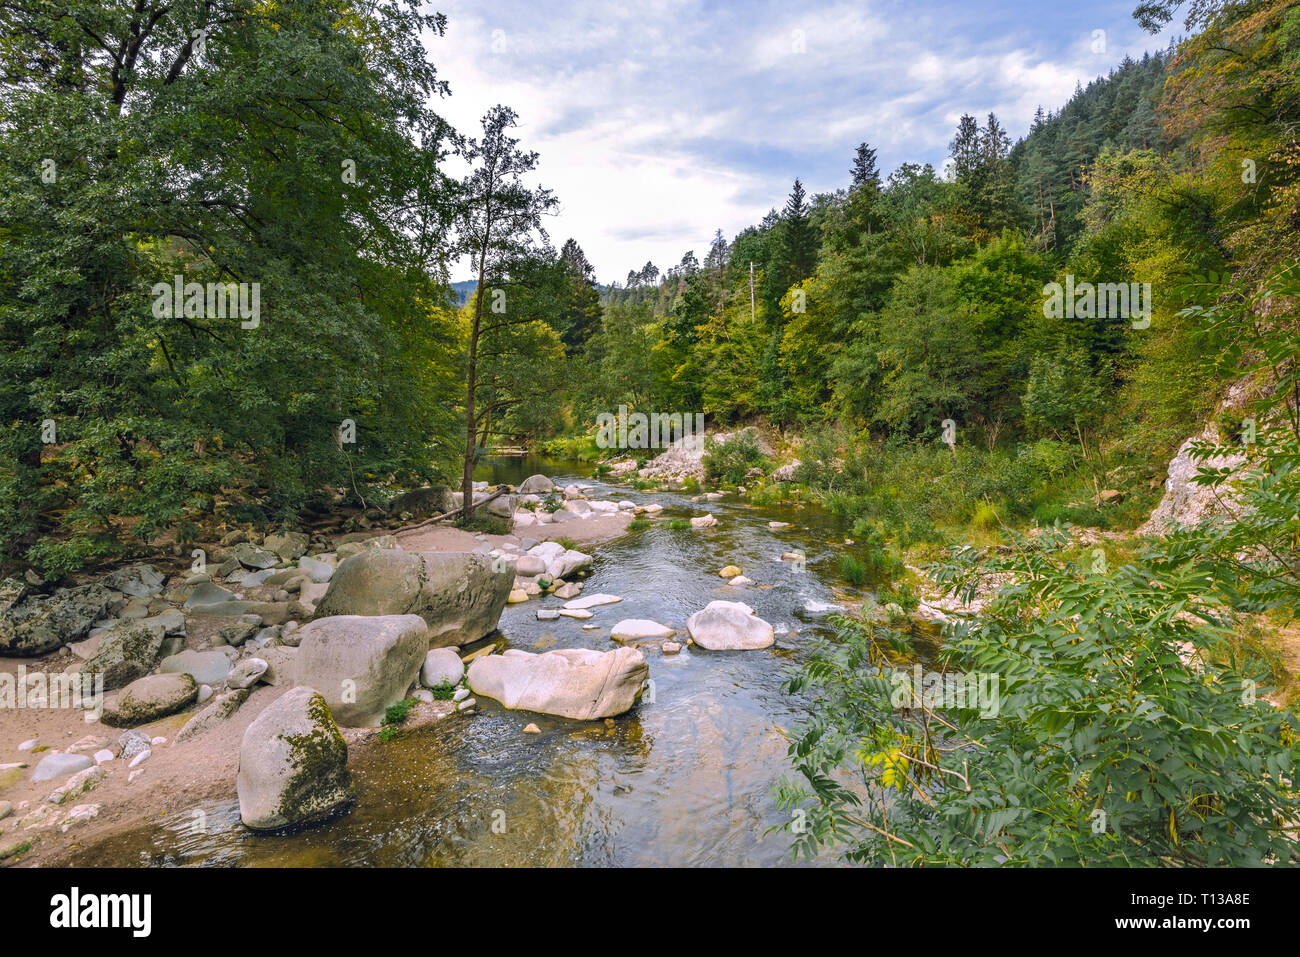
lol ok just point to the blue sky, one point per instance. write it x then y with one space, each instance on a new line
659 122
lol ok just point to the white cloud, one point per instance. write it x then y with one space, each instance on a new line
660 122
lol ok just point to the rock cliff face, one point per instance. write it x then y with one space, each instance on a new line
1184 503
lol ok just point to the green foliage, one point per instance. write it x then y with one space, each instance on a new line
1096 744
218 175
729 461
443 692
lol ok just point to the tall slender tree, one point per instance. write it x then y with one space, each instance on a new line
499 217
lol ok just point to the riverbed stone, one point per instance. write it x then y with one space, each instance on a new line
592 601
205 667
34 624
293 764
127 651
247 673
423 502
729 626
442 666
289 546
138 581
217 712
536 485
317 570
459 595
631 630
569 682
148 699
207 593
362 664
704 521
251 556
54 766
560 561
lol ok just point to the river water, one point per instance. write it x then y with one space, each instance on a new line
683 779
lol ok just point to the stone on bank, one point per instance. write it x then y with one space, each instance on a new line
293 764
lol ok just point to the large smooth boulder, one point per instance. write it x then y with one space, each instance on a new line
729 626
570 682
361 664
34 625
205 667
442 666
127 651
423 502
458 594
148 699
536 485
293 764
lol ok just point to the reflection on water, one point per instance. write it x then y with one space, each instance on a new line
683 779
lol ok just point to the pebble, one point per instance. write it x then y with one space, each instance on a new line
528 729
466 704
460 695
104 756
140 758
28 745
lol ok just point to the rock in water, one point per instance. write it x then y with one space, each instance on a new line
458 594
361 664
126 652
33 625
729 626
537 485
148 699
293 764
569 682
639 629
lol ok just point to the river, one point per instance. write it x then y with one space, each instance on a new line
683 779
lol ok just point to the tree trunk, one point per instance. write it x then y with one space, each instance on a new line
471 380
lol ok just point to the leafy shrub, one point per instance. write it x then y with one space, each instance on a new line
729 461
1096 743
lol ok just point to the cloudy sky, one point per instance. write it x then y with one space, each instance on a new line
661 121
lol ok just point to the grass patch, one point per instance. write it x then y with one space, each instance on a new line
487 524
394 715
637 524
853 569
